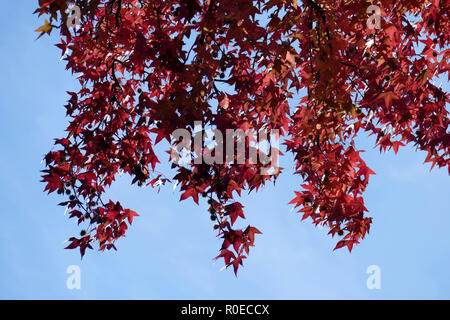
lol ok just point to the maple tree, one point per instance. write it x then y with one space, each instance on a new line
311 69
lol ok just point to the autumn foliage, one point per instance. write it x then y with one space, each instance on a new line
312 69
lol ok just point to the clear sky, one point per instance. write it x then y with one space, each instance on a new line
169 251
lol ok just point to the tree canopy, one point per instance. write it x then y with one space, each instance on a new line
320 72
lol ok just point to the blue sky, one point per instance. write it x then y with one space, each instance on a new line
168 253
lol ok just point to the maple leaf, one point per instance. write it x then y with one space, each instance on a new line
227 255
235 211
130 214
44 29
191 192
388 97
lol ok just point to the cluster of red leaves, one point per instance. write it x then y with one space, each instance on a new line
148 67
